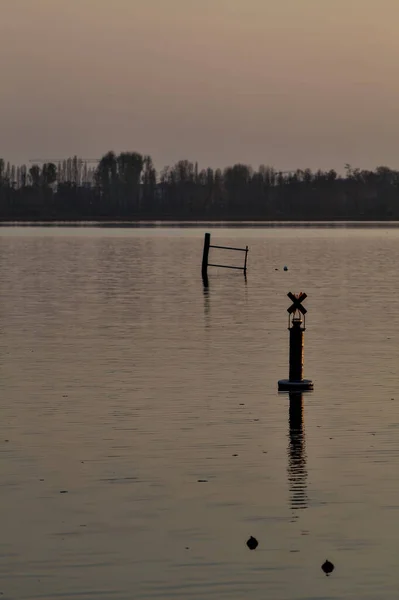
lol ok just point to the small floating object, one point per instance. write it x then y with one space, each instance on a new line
252 543
63 491
327 567
285 268
202 481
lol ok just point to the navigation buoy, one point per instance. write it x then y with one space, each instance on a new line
297 313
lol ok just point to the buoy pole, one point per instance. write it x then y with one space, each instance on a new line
296 349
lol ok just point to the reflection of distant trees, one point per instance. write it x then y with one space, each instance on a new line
128 186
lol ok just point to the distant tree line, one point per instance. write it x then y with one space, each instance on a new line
127 186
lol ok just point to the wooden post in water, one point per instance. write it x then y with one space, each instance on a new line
245 262
296 380
205 254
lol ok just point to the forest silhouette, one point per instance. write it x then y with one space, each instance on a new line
128 187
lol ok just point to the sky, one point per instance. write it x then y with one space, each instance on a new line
286 83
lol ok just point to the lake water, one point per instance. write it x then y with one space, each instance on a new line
124 382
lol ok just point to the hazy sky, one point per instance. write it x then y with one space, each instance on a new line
289 83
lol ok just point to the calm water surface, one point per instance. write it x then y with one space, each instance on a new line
123 383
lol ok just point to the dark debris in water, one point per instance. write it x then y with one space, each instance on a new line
63 491
327 567
252 543
202 481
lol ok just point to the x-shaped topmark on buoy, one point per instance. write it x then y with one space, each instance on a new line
296 302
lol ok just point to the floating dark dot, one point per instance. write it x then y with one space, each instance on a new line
41 479
252 543
235 455
327 567
63 491
202 481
